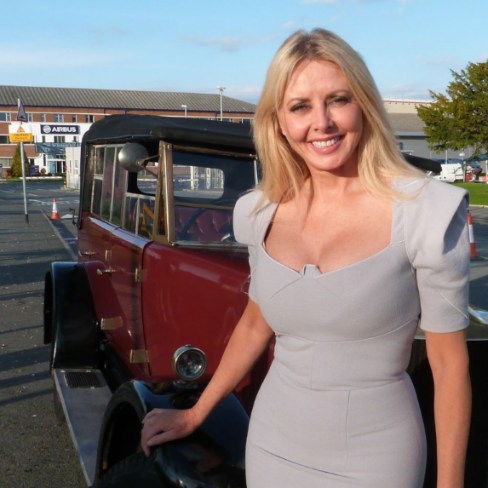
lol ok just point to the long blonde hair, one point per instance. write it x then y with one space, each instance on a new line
284 172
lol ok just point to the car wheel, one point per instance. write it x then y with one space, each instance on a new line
134 471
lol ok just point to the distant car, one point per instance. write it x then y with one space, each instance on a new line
474 167
450 172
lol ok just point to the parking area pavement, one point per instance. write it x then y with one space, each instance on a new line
36 450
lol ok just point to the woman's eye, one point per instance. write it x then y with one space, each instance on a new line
338 101
298 107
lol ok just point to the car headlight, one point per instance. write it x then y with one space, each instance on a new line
189 363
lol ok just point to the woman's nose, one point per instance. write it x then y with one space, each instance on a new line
322 118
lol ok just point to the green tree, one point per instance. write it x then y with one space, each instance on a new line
16 168
459 119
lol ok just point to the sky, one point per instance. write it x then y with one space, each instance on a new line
410 46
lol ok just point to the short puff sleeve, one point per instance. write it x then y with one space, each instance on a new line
437 243
252 214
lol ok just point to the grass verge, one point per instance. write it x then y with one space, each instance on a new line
478 192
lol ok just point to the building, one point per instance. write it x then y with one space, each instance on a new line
409 130
58 117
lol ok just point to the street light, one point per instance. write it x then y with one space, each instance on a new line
184 107
461 155
221 90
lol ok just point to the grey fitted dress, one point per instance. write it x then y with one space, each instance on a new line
337 408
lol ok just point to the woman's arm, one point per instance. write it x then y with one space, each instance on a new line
448 358
248 341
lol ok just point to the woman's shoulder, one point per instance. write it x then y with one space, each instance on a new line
424 189
251 213
434 212
430 195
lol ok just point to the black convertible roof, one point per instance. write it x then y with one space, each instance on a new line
177 130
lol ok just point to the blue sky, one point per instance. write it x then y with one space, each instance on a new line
410 46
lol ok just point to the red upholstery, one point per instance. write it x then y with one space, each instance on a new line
208 225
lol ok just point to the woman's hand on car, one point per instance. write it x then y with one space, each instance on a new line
163 425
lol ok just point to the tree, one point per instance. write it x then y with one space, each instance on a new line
16 168
459 119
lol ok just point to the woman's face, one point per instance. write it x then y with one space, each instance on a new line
320 118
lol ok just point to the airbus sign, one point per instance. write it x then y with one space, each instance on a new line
60 129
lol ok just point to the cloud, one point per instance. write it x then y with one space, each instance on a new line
229 43
438 61
250 93
28 58
405 91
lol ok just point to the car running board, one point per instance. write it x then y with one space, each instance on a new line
84 395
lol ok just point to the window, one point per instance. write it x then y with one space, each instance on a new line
5 117
6 162
59 118
140 204
98 155
89 118
42 117
109 184
4 139
74 118
202 183
30 117
60 139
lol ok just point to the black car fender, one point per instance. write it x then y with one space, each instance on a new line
70 322
213 456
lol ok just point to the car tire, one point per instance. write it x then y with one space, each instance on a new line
134 471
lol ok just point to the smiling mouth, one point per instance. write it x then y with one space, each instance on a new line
328 143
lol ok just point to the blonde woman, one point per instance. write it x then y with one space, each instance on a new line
350 250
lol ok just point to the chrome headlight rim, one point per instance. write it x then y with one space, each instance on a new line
189 363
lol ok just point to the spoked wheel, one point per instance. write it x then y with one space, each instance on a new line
135 471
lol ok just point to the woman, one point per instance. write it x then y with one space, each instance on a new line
350 250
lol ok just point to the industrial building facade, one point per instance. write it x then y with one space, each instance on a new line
59 117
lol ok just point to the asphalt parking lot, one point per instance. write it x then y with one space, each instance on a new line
36 450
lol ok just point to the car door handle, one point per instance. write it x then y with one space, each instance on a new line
87 253
101 272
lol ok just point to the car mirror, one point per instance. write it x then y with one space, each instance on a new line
133 157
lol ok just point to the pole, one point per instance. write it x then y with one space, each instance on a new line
23 181
221 90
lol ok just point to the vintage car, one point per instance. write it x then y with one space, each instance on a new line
141 319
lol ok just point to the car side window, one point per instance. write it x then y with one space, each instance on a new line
109 183
206 187
140 201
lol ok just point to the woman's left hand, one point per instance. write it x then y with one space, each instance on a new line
163 425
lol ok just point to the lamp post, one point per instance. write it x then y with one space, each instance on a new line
463 164
221 90
185 107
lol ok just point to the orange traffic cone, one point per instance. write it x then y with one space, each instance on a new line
54 213
472 243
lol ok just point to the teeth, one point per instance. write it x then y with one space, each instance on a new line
321 144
